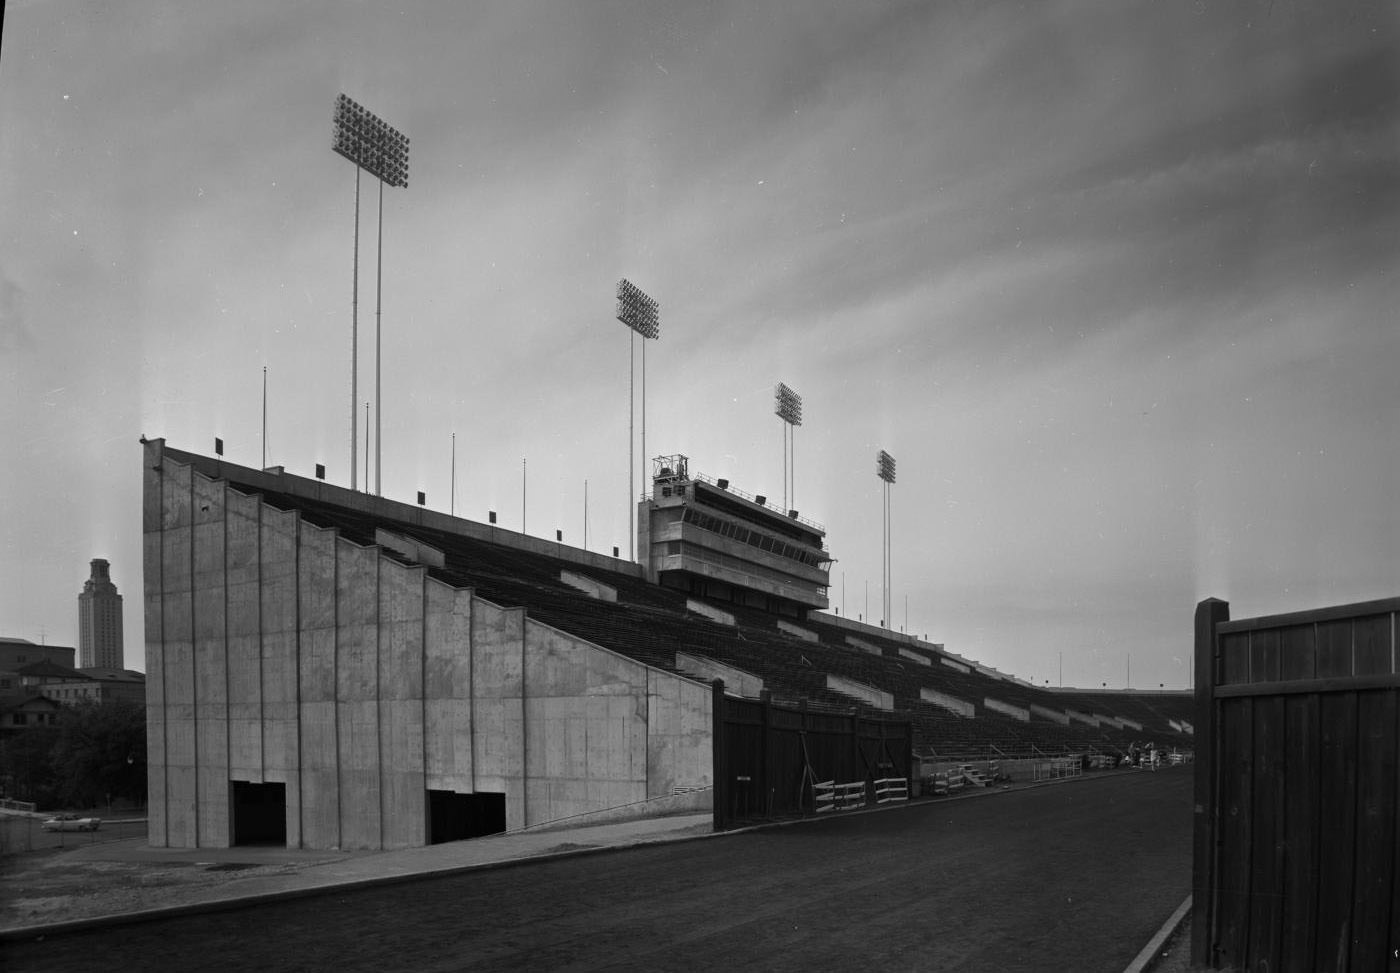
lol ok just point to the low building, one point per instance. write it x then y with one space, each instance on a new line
16 652
24 711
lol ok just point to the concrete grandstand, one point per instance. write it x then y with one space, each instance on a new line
327 668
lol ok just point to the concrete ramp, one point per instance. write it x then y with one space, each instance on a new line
863 645
867 694
737 682
1006 709
951 703
1054 715
591 588
797 631
709 611
409 548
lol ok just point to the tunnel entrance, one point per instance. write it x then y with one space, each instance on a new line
259 813
453 816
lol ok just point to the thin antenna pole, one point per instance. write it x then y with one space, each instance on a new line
367 429
889 548
585 515
378 358
264 417
452 502
522 494
355 344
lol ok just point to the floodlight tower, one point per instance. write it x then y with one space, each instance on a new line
382 151
884 468
787 406
642 314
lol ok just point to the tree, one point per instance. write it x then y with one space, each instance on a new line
99 753
26 764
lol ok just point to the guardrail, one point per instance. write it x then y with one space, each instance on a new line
1054 768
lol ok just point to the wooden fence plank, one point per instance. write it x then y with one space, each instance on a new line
1236 820
1393 961
1300 834
1264 656
1267 853
1234 659
1298 651
1334 648
1375 829
1337 829
1371 645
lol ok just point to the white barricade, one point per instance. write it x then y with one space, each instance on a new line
891 789
831 796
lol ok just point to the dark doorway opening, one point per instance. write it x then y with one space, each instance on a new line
453 816
259 813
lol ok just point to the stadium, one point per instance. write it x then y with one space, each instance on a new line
332 669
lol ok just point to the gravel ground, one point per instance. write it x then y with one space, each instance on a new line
56 886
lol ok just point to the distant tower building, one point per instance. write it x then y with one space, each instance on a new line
100 621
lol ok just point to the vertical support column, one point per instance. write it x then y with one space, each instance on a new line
524 723
718 756
153 589
1209 614
764 790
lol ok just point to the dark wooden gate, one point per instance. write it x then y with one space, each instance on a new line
769 756
1297 763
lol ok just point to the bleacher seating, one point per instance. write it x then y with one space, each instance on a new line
650 623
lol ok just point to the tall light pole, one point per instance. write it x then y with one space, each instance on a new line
642 314
787 406
382 151
884 468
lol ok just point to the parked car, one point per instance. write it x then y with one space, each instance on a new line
71 822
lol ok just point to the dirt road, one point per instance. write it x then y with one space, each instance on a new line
1074 876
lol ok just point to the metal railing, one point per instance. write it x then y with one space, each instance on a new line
754 499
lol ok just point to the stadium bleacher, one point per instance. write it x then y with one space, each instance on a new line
651 623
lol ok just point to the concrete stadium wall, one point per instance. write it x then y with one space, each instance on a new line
280 652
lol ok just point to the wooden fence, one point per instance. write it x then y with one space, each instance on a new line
1296 858
779 761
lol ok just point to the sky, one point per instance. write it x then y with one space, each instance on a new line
1115 284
